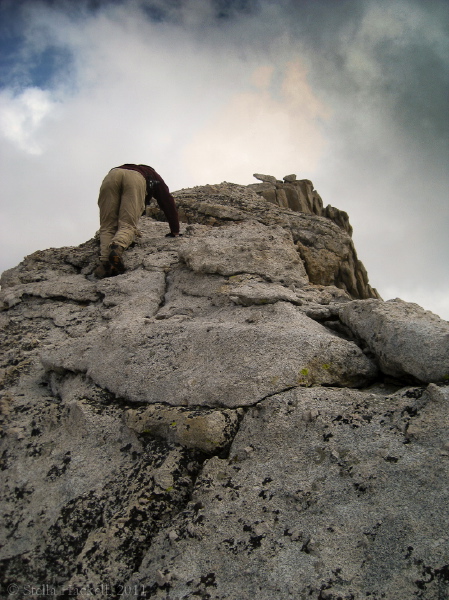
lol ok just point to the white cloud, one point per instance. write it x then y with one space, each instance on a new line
23 115
273 128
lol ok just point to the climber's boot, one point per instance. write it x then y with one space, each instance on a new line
116 260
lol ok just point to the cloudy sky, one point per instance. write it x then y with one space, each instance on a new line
352 94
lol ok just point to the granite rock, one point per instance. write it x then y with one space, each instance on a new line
226 419
406 339
315 517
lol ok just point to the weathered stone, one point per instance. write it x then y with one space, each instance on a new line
281 198
322 244
210 431
265 178
248 292
86 496
340 217
258 351
292 198
51 264
185 438
288 178
261 187
247 248
271 196
68 287
314 517
317 203
300 195
406 339
305 191
138 294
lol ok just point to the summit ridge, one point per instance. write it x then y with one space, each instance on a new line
237 415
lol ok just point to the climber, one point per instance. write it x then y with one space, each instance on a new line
124 193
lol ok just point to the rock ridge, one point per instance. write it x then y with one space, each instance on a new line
298 195
239 414
325 248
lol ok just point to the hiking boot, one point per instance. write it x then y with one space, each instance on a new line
116 260
103 270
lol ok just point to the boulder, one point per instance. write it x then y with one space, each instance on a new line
230 357
406 339
265 178
289 178
246 248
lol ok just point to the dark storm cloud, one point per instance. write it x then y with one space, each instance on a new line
407 40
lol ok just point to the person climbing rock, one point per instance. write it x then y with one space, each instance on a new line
124 193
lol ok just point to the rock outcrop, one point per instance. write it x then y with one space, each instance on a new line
298 195
321 237
238 415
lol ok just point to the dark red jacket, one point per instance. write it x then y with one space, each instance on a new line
159 191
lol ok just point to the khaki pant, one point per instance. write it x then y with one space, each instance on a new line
121 201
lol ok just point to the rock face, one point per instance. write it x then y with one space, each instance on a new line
322 242
238 415
315 517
